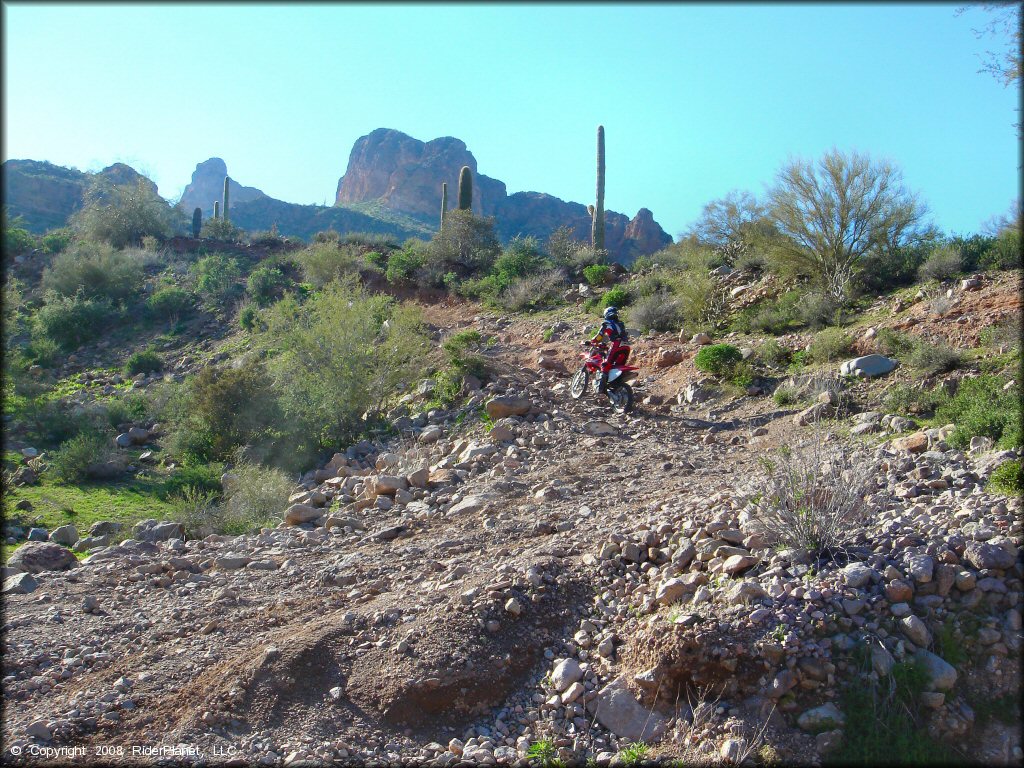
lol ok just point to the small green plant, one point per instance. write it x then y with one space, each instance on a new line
248 317
597 274
548 335
217 278
829 345
635 753
948 646
771 354
73 462
265 285
168 302
1008 478
930 359
615 297
982 407
911 399
147 361
544 750
718 359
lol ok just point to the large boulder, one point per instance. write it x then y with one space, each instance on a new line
39 556
823 718
985 554
158 530
500 407
868 366
301 513
20 584
66 535
941 675
617 709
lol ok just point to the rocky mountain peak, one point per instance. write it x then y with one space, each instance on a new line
207 185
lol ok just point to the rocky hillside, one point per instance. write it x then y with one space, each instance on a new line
405 175
45 195
556 581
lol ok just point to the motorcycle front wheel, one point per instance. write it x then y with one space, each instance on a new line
578 385
621 398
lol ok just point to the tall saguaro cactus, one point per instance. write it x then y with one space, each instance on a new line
444 200
465 189
216 209
226 179
197 221
597 224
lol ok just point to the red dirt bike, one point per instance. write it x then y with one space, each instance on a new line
620 394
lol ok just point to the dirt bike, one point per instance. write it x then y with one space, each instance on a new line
620 394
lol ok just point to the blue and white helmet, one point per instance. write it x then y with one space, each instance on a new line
611 312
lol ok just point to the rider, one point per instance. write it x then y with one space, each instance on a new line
613 330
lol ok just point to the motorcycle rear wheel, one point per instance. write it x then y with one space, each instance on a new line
579 382
621 398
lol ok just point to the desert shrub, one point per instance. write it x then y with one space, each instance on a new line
981 407
521 258
192 478
1005 252
146 361
811 497
771 354
72 462
376 259
134 406
123 215
785 395
220 229
168 302
42 350
911 399
772 317
597 274
466 245
830 345
70 321
248 317
658 312
615 297
221 409
265 284
17 240
96 270
403 264
337 360
705 302
893 343
1003 335
197 511
717 359
323 262
573 254
56 240
269 239
1008 478
943 263
932 358
327 236
369 239
254 496
817 310
527 294
216 278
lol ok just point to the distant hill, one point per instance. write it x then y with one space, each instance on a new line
392 185
45 195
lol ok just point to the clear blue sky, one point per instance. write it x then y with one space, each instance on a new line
696 100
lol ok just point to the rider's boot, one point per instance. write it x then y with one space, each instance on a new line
602 386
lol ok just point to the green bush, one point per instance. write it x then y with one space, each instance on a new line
658 312
95 270
830 345
147 361
466 244
1005 252
221 229
943 263
267 239
882 271
254 497
216 278
168 302
403 264
198 478
816 310
597 274
771 354
1008 478
911 399
704 300
773 317
123 215
369 240
615 297
265 284
521 258
56 240
17 240
459 348
70 321
785 395
72 462
248 317
536 292
893 343
981 407
931 359
134 406
718 359
324 262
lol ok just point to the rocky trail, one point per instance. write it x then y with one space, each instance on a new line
570 575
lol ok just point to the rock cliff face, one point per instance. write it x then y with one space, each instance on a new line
405 175
207 185
45 195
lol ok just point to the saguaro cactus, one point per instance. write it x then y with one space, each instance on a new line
216 209
465 189
597 224
444 200
226 179
197 221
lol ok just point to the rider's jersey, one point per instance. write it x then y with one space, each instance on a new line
614 330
